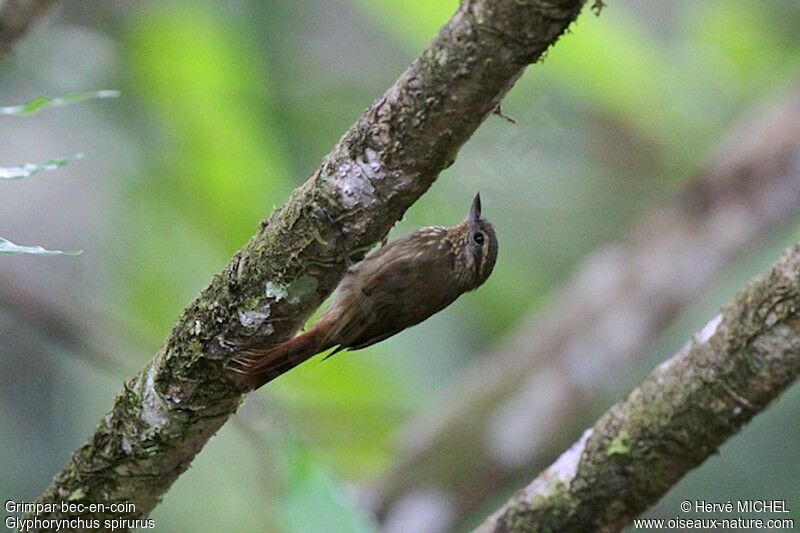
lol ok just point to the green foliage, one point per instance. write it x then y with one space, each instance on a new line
313 501
222 160
677 93
348 407
414 21
215 163
744 46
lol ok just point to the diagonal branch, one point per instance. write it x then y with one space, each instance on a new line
166 413
561 361
16 17
726 374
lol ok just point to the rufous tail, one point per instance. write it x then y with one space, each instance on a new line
258 366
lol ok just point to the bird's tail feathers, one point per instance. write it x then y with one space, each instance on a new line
258 366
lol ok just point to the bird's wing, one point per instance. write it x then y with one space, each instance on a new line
382 297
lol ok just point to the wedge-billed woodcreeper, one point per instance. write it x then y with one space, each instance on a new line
398 286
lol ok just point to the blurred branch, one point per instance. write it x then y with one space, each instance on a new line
688 406
388 159
518 403
68 329
16 17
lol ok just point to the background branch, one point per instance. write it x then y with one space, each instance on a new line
688 406
521 401
167 412
16 17
78 332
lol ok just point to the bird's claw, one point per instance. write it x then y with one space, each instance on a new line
242 364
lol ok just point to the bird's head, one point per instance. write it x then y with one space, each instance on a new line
476 244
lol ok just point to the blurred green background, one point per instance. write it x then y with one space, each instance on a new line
226 107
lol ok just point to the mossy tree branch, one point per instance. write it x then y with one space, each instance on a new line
166 413
728 372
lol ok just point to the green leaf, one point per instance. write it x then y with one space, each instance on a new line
9 248
218 167
315 501
414 21
350 407
29 169
225 162
42 102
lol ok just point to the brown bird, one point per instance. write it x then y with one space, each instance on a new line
398 286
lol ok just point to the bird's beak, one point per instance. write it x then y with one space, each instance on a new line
475 209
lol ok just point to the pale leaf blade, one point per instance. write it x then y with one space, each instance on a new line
27 170
42 102
9 248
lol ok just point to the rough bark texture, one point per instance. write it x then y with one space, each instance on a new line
505 418
688 406
390 157
16 17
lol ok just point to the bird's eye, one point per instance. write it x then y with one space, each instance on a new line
478 238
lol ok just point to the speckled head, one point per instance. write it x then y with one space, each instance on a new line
478 248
